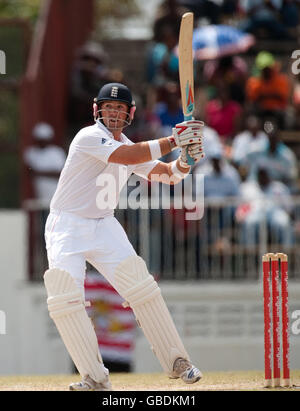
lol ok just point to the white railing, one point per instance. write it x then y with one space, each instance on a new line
212 248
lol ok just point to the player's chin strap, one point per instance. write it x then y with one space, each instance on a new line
127 121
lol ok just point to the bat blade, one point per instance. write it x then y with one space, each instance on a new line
186 70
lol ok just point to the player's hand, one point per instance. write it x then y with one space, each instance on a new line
195 151
188 132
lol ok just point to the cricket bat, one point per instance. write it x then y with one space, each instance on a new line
186 69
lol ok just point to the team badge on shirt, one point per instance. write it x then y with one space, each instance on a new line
106 142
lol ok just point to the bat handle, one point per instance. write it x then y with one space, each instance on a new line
190 161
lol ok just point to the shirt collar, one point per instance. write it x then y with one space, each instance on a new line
102 127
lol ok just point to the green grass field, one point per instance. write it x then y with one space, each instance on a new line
212 381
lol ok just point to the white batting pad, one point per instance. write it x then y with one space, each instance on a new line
140 290
66 308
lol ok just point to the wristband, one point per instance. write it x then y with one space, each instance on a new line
155 150
177 172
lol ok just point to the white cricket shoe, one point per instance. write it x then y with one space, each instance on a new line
185 370
87 384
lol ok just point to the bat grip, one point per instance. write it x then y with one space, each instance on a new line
190 161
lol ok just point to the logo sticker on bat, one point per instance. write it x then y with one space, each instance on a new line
189 98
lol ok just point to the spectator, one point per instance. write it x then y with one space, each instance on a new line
168 14
223 114
89 72
169 111
164 114
221 182
150 124
45 162
265 14
230 7
265 202
161 60
212 144
268 93
145 125
229 70
290 16
221 179
209 9
253 138
276 157
212 147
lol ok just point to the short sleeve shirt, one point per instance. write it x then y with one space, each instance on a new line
89 185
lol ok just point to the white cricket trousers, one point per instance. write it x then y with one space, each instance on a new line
72 240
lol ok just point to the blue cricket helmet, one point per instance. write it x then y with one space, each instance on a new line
115 91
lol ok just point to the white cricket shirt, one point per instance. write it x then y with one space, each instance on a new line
88 178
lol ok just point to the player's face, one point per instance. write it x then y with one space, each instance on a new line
114 114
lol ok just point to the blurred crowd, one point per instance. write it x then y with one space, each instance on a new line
246 107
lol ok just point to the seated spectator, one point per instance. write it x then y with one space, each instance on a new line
221 179
268 93
166 113
169 111
253 138
211 10
265 203
223 114
45 161
290 16
276 157
150 123
89 73
212 146
168 14
145 125
161 60
221 182
229 70
229 7
262 14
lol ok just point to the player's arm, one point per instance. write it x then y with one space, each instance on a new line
163 172
185 133
141 152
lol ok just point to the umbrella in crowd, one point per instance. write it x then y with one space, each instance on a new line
215 41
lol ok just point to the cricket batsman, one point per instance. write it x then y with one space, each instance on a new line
78 229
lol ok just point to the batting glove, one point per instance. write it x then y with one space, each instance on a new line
195 151
188 132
